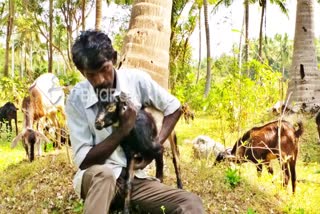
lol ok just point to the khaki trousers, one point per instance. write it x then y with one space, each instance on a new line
101 190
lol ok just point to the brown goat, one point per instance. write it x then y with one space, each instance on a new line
261 144
31 140
45 101
187 113
318 125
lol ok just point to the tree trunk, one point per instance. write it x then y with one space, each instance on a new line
199 58
263 9
83 15
304 84
50 36
206 24
8 38
146 44
246 45
98 14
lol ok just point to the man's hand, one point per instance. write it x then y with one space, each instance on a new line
127 118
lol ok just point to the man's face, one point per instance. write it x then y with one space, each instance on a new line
102 78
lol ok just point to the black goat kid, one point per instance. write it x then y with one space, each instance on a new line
140 145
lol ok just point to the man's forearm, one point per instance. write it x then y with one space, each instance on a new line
168 125
102 151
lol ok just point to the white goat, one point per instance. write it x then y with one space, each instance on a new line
204 146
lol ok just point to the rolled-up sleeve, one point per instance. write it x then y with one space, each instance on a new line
80 135
155 95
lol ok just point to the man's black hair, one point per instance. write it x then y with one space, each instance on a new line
92 49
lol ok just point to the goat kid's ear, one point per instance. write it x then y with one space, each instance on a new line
17 138
123 97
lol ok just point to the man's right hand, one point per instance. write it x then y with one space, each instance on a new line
128 117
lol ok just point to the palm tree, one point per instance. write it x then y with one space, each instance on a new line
263 4
304 84
50 51
206 24
146 44
9 33
98 14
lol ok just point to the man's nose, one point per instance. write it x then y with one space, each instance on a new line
99 79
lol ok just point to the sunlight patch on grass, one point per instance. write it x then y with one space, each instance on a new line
10 156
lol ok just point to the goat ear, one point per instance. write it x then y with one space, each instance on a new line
42 136
17 138
123 97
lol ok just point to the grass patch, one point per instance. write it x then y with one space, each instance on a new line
45 185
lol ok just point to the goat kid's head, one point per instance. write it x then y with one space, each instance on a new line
109 109
30 138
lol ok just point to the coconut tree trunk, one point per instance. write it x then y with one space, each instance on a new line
206 25
199 58
263 4
146 44
304 84
50 36
8 38
246 45
98 14
83 15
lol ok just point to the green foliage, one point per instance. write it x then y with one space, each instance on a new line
251 211
70 78
232 177
13 89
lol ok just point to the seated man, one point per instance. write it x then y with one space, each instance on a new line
100 178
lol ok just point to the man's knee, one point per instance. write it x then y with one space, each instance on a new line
102 172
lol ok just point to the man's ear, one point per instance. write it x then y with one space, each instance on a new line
114 57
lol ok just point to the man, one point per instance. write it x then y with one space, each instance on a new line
100 178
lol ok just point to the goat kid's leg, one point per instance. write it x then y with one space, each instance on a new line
175 158
159 167
128 186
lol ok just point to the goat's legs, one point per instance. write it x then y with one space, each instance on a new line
318 127
175 158
292 165
259 169
128 186
159 167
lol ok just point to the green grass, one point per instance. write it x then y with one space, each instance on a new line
45 185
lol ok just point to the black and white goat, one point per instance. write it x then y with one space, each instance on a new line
141 140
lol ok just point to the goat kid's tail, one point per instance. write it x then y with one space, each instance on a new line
298 132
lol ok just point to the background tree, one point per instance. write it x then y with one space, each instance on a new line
146 44
304 84
10 20
207 29
98 14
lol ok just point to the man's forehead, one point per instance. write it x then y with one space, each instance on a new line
105 64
